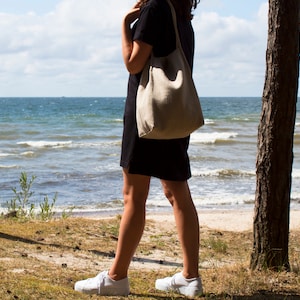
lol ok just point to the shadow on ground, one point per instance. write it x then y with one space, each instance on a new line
96 252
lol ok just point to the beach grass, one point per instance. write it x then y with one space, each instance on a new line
43 260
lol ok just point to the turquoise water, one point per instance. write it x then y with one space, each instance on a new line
73 146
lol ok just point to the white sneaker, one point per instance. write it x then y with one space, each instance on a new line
103 285
179 284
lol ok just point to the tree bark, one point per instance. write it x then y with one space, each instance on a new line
275 139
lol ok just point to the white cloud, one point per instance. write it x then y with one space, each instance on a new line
230 54
78 41
75 50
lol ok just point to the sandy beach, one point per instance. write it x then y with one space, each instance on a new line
234 220
228 220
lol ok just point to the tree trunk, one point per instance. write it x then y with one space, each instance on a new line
275 139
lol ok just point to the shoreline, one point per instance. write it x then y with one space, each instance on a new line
226 218
237 219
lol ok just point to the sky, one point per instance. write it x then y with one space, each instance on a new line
72 48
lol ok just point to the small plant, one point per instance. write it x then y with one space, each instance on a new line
67 213
47 208
111 229
217 245
18 206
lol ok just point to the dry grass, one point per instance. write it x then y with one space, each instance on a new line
42 260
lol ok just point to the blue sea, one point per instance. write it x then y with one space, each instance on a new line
72 146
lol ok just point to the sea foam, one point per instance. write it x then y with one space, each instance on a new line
45 144
212 138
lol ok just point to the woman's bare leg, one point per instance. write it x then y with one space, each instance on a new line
186 217
135 191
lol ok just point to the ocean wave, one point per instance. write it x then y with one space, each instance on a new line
102 144
223 173
66 144
215 201
118 120
209 122
240 119
8 166
296 173
5 154
27 153
45 144
212 138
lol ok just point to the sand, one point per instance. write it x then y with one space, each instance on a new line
228 220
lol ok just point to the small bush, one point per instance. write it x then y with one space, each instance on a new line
19 206
47 212
216 245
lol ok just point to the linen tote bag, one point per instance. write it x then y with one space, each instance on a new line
167 104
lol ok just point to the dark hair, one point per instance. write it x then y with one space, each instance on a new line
183 7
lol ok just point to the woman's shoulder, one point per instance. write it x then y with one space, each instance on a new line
156 10
157 4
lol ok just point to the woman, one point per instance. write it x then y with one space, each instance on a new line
143 158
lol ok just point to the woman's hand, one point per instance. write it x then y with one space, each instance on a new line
132 15
135 53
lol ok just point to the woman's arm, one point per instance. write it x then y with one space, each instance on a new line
135 53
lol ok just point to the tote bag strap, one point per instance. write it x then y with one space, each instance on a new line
178 43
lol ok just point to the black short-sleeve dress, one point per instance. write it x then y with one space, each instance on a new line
164 159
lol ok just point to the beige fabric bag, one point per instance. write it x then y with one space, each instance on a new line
167 104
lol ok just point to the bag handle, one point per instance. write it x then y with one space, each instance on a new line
178 43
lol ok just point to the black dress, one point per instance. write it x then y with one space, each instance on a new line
164 159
